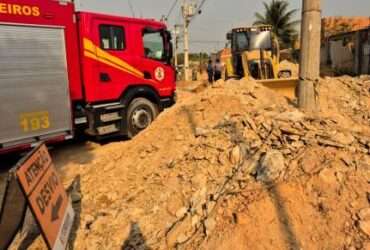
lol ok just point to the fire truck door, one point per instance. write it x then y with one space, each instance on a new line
113 60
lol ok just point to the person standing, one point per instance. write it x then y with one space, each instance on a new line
210 71
217 70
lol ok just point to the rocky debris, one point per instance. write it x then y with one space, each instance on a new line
350 98
222 157
344 138
271 166
311 161
364 221
364 214
365 227
269 144
181 212
209 225
236 155
201 132
291 116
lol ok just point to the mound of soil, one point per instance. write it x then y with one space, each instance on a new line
231 166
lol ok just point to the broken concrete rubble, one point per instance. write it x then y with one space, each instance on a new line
364 214
228 154
271 166
236 155
365 227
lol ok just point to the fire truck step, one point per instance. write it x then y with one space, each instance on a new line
120 106
109 129
109 106
110 117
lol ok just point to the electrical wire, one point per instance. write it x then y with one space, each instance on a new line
201 4
171 9
131 8
199 9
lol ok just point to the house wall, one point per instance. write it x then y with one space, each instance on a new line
348 53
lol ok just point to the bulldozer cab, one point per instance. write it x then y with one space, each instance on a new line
253 38
254 52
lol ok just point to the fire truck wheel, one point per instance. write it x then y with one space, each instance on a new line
141 113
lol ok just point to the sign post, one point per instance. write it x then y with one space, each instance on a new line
46 197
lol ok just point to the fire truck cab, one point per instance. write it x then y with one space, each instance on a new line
62 70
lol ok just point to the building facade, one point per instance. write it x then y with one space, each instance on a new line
348 52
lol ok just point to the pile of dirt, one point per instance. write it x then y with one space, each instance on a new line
347 99
234 166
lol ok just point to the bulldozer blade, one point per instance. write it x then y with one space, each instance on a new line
285 86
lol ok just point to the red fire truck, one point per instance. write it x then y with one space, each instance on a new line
61 70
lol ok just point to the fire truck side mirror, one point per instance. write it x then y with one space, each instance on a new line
169 46
170 53
169 35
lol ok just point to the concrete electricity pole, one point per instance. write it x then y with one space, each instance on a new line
176 38
309 72
186 15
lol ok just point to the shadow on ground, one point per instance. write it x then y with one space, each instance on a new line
190 118
74 191
135 240
286 227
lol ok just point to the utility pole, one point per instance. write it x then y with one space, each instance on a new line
186 15
175 48
189 11
309 72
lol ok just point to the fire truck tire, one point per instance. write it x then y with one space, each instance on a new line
140 114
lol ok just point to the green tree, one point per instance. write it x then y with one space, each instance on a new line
280 17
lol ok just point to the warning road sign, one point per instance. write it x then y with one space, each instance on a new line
47 197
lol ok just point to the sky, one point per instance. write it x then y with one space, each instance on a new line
208 30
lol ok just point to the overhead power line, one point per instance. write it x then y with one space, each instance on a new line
131 8
171 9
201 4
199 10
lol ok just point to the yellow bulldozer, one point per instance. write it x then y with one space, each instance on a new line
255 54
